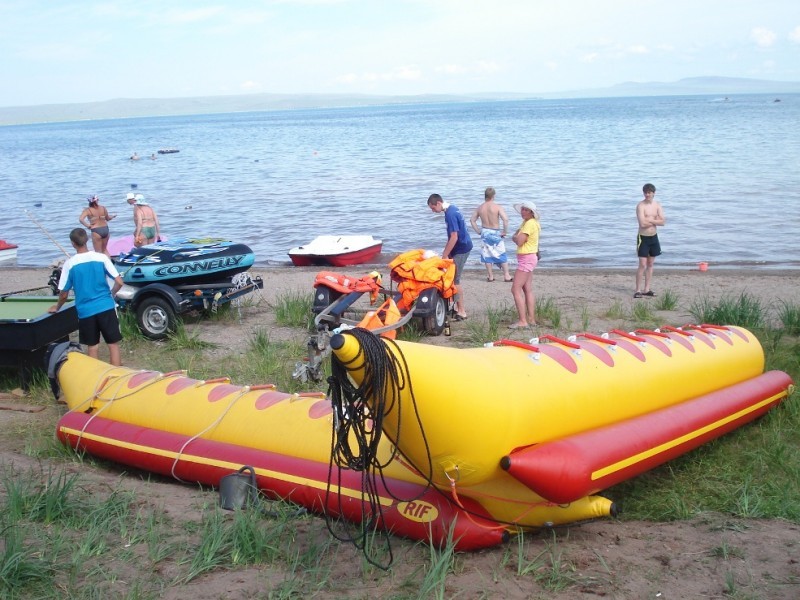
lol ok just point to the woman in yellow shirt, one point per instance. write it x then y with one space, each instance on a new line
527 240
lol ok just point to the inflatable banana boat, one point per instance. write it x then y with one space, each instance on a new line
531 432
462 444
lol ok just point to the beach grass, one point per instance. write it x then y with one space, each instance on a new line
668 300
58 539
744 310
293 309
789 315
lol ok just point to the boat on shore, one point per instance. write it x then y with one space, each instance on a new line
8 251
494 440
184 261
551 423
336 251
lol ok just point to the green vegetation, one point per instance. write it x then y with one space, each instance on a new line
744 310
789 315
642 314
493 327
293 309
616 311
668 300
548 313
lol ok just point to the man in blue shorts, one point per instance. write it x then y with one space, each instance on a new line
87 274
650 215
458 246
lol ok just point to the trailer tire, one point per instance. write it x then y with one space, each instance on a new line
155 317
434 324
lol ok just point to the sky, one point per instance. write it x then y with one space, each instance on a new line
62 51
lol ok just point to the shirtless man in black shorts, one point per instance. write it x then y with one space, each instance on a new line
650 215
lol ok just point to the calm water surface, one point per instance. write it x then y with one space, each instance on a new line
727 174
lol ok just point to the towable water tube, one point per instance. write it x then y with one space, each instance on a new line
184 261
482 442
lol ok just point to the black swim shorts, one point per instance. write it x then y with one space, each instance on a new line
647 245
90 328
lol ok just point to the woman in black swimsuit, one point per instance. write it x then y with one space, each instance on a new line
95 218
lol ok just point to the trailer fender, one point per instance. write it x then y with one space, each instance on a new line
162 290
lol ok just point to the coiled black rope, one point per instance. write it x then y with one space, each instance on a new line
359 413
358 427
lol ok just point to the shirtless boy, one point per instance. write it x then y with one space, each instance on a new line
650 215
493 249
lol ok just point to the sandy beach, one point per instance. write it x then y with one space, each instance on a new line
577 292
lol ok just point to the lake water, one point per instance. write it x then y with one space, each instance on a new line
727 173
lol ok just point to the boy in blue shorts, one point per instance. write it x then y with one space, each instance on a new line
87 274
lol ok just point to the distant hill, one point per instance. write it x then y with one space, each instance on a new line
148 107
121 108
691 86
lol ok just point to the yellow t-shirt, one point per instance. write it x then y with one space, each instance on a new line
531 245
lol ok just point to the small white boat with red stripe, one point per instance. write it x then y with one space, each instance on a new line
336 251
8 251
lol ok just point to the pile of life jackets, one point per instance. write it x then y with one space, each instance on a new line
386 314
415 271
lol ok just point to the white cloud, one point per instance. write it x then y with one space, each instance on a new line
249 85
763 37
481 67
451 69
347 78
794 35
56 52
590 58
191 16
639 49
404 73
487 66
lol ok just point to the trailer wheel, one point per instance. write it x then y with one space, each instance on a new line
434 324
155 317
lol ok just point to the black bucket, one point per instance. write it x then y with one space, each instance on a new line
239 489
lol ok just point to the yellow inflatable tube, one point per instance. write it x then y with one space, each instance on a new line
467 408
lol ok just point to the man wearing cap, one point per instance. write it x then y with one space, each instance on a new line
527 240
458 246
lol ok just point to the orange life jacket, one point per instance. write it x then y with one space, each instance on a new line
346 284
414 273
386 314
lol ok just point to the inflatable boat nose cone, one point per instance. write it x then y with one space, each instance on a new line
337 341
